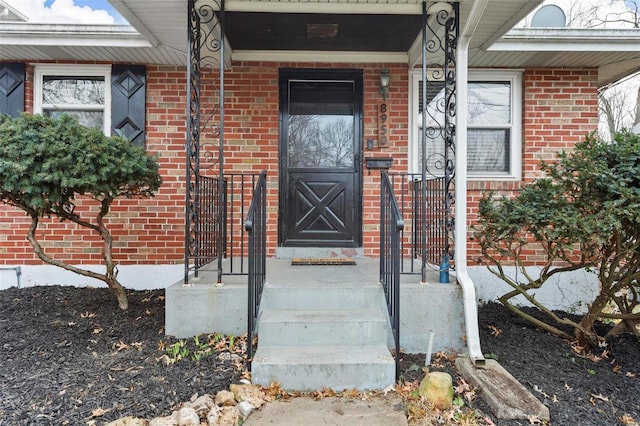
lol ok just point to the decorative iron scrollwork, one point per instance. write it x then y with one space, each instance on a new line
438 107
205 69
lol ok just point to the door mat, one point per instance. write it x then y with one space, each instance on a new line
297 261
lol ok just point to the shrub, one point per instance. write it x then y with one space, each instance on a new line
47 163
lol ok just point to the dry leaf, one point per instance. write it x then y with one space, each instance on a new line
99 412
495 331
121 346
97 330
627 420
630 374
87 315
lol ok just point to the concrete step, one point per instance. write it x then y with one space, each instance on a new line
330 327
308 368
343 296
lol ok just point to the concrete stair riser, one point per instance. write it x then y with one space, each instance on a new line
322 327
308 368
314 298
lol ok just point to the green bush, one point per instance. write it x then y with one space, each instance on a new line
47 163
585 213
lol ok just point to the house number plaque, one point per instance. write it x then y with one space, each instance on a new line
383 124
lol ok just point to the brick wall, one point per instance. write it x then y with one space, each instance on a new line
145 231
559 108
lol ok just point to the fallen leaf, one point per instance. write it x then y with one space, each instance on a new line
121 346
628 420
495 331
630 374
99 412
87 315
617 369
97 330
567 387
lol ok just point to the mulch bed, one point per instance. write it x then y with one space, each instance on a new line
69 356
577 390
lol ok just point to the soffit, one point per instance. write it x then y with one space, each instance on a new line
380 38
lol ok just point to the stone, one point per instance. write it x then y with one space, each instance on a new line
225 398
128 421
245 408
164 421
437 387
507 398
228 356
202 404
212 417
229 416
250 393
187 416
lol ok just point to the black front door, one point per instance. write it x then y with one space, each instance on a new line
320 158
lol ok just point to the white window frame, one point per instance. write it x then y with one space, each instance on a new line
73 70
514 77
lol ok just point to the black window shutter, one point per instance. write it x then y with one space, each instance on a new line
12 76
128 102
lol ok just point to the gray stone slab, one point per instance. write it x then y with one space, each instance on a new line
506 397
379 411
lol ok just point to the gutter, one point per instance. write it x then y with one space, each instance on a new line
468 287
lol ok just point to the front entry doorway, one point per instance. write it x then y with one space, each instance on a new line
320 158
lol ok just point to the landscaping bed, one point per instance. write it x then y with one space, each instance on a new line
70 356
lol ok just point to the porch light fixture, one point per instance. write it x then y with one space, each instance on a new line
385 79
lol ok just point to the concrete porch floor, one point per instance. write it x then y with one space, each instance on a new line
205 306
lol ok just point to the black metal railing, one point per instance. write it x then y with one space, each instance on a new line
391 227
211 235
425 210
256 227
209 231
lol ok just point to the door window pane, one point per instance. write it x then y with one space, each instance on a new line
321 125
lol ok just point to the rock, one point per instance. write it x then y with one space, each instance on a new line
187 416
164 421
225 398
128 421
245 408
229 416
437 387
250 393
228 356
212 417
202 405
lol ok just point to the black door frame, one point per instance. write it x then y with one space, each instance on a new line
328 74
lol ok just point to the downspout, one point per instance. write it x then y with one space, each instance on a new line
462 274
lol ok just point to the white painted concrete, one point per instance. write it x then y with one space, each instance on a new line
135 277
569 291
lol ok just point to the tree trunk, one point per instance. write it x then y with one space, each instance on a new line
585 334
120 293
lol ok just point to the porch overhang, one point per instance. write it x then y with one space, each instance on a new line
158 36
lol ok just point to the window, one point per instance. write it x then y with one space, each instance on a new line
494 123
83 91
